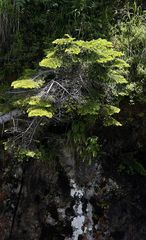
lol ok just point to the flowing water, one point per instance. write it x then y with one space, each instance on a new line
82 223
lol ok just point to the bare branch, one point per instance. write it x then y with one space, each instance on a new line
43 73
10 116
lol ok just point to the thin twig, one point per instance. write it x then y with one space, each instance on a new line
35 128
24 133
42 73
63 88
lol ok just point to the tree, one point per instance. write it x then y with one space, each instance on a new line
88 81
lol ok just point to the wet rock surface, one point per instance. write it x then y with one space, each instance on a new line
67 200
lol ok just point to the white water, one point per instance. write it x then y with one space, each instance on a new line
78 220
82 223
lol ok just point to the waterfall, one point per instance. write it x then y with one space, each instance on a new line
79 219
82 222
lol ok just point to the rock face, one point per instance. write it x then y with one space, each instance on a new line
67 199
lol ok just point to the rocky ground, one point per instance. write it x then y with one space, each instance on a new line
36 201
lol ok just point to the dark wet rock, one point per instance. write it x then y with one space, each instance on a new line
36 201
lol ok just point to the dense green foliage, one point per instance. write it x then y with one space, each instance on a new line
96 51
88 58
27 27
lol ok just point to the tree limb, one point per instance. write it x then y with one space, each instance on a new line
10 116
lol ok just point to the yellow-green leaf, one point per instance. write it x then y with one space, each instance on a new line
89 108
73 50
30 154
37 101
51 62
110 110
27 83
112 122
39 112
63 41
117 77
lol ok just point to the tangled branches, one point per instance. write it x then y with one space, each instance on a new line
61 91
